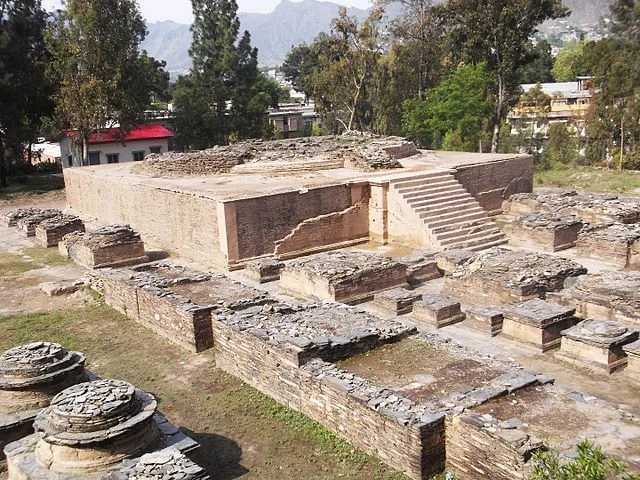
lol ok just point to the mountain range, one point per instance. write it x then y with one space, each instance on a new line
291 23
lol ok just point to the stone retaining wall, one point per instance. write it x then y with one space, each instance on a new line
414 448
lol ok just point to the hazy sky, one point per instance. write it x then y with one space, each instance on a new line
180 10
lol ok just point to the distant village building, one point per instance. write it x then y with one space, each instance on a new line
291 119
108 146
570 102
45 152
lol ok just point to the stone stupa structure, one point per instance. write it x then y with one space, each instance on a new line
30 376
90 429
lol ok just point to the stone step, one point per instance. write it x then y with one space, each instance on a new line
459 220
419 179
486 246
435 189
450 213
482 227
425 186
445 205
462 225
471 235
427 199
474 243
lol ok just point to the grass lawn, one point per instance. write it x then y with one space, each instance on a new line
590 179
243 433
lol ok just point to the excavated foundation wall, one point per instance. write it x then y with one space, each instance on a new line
417 450
295 221
176 221
491 183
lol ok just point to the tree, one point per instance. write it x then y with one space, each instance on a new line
104 79
452 115
538 68
562 146
570 62
497 31
299 66
24 91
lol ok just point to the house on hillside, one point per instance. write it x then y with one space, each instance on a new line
109 146
570 102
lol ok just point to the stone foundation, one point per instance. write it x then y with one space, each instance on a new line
421 267
550 231
397 301
437 311
618 244
596 344
348 277
501 276
50 232
27 223
607 296
10 219
485 319
109 246
537 323
30 376
174 301
264 270
449 260
632 350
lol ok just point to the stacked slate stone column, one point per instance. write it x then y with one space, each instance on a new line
30 376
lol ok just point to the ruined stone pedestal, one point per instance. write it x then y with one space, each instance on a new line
348 277
88 430
501 277
449 260
11 218
50 232
167 464
27 224
632 350
437 311
397 301
485 319
618 243
549 231
109 246
264 270
421 267
537 322
596 343
30 376
607 295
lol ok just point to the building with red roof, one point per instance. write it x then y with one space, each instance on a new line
113 146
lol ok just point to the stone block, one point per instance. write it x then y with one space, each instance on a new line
348 277
50 232
437 311
397 301
537 322
617 243
449 260
264 270
548 231
27 224
55 289
597 344
421 267
485 319
632 350
108 246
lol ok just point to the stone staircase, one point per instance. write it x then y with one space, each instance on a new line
452 217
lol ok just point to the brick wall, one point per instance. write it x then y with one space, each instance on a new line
491 183
176 221
417 449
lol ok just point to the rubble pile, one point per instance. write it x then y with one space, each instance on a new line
363 152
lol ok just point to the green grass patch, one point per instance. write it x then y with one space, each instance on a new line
14 264
590 179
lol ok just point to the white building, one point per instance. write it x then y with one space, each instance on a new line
110 146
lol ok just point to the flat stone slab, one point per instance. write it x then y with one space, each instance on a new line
397 301
538 313
65 287
437 310
601 333
349 276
